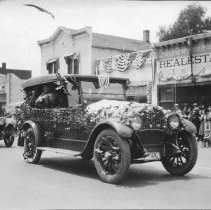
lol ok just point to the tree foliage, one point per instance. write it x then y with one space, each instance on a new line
191 20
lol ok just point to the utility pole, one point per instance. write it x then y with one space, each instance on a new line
190 47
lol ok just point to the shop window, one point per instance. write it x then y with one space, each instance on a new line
166 97
53 67
166 94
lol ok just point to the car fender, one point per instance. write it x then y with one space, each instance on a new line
123 130
188 126
37 130
9 122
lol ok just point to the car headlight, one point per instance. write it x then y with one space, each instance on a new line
173 121
136 123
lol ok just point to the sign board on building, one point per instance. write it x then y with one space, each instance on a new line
179 68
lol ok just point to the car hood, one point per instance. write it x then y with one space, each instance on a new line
122 111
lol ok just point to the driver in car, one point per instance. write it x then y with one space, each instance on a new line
48 98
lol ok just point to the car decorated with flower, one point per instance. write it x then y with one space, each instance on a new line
7 130
94 120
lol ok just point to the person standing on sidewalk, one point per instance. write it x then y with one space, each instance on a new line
202 120
207 127
195 119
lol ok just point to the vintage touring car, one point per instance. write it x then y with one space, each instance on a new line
7 127
92 119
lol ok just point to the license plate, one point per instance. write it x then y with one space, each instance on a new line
153 156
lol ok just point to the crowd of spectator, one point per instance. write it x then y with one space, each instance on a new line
200 116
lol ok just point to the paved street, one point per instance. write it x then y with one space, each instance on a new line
61 182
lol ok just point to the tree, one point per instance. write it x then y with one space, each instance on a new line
191 20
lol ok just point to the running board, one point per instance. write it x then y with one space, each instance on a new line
61 151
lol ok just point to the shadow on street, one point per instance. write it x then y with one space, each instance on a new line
147 176
138 176
71 165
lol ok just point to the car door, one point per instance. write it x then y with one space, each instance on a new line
72 134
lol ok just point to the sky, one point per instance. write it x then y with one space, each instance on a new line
21 27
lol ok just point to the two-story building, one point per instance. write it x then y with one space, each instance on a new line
10 85
70 51
183 73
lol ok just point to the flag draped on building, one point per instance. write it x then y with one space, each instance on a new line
124 62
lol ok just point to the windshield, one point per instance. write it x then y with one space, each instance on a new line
93 92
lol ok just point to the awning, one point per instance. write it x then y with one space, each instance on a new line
139 83
72 56
137 91
51 60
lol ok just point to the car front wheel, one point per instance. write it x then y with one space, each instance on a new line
31 153
9 136
181 162
112 156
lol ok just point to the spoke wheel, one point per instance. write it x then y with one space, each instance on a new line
31 153
111 156
9 136
183 161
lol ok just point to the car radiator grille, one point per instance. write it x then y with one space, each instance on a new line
153 129
150 137
153 121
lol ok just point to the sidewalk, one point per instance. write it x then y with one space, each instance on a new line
201 146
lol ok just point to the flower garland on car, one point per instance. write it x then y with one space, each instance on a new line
61 83
78 117
2 120
71 117
125 112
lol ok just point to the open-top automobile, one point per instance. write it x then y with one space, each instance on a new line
92 119
7 128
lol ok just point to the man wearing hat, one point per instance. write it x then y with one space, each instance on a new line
195 118
185 111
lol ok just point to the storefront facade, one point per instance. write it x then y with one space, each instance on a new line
183 73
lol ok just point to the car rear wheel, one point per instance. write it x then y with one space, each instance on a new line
181 162
9 136
112 156
31 138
